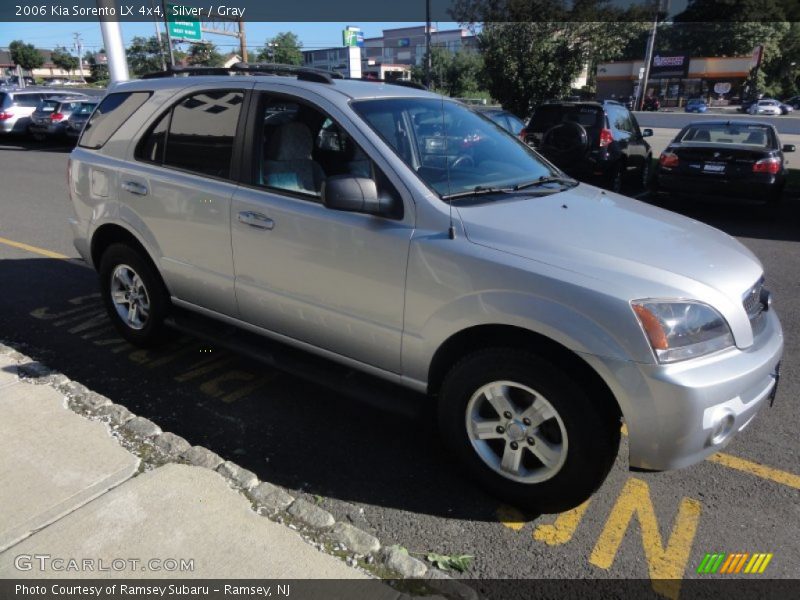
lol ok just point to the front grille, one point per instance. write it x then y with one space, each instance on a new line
754 305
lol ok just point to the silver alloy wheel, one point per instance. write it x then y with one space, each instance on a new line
516 432
130 297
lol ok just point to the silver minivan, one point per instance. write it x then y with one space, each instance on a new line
402 234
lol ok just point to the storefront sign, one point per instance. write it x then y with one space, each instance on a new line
723 87
669 66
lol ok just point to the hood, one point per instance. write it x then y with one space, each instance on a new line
632 245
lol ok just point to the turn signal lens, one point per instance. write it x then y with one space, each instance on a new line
768 165
652 327
5 115
668 160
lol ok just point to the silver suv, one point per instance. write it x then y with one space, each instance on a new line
400 233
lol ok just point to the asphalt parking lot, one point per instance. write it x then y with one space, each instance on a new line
382 466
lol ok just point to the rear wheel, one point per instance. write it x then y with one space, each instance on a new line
525 430
134 295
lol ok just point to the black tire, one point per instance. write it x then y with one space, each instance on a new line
592 428
616 179
152 330
647 173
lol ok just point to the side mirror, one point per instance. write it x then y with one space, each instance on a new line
647 132
354 194
789 148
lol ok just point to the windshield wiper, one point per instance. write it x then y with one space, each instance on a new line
478 190
545 180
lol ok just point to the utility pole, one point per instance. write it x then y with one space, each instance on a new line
78 45
169 37
243 40
648 57
158 39
428 57
112 40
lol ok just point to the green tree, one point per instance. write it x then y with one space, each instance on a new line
63 59
284 48
145 55
534 50
205 55
455 74
25 55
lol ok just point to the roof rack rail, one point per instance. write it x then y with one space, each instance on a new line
400 82
302 73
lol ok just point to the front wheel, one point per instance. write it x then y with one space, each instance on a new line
526 431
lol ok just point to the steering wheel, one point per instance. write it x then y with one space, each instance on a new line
464 160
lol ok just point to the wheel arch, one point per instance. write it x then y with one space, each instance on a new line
112 233
478 337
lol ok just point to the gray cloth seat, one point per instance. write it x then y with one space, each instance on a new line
288 163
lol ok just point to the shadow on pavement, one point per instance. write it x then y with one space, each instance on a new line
17 142
740 218
286 429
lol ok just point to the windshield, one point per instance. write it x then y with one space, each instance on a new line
728 133
452 149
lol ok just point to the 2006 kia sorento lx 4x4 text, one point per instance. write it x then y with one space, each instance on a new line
402 234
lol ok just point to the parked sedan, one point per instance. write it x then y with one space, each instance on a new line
696 105
78 118
50 117
794 102
765 107
725 158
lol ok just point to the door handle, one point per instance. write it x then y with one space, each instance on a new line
256 220
134 188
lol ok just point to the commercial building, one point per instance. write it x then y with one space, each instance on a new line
675 78
390 56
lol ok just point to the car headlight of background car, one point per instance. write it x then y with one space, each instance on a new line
682 329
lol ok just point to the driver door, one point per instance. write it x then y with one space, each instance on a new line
331 279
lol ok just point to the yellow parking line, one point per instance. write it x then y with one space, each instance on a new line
34 249
754 468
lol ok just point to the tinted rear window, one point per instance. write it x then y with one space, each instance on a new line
747 135
112 112
4 98
85 108
27 99
548 116
47 105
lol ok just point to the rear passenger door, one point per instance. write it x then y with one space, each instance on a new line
627 136
180 187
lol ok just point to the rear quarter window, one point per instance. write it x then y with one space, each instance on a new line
111 113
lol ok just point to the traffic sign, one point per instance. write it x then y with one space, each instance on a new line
182 24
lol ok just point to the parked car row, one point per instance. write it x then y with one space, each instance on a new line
602 143
43 114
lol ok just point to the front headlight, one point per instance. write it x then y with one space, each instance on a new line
678 330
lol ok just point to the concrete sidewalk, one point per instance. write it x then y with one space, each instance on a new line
69 490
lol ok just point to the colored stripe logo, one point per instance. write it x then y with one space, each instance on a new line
741 562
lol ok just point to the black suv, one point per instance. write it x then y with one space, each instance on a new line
593 142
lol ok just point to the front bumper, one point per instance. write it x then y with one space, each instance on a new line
672 412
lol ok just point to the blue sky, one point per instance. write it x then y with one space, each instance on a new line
313 35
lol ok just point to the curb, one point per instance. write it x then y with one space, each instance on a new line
318 527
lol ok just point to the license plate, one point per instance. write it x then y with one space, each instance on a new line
714 167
